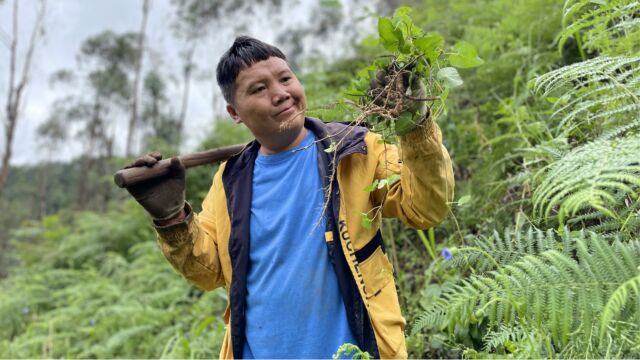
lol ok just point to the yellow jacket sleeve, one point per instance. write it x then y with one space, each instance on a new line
422 196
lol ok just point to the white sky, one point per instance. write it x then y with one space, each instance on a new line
69 22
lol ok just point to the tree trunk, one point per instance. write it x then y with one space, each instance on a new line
136 82
188 68
42 189
106 172
15 91
83 182
88 160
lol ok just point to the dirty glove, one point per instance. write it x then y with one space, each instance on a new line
162 197
400 91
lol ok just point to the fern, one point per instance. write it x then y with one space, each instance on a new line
555 293
513 340
626 226
601 94
487 251
610 27
595 176
620 302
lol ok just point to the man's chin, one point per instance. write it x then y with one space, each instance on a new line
293 122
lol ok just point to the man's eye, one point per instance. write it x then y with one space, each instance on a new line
285 79
257 90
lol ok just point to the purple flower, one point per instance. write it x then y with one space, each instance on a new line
92 322
446 254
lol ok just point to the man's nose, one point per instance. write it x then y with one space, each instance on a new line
280 94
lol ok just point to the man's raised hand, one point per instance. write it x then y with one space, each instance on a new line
163 197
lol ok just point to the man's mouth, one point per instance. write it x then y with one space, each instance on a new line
286 110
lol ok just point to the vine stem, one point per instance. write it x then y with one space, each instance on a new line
431 250
583 56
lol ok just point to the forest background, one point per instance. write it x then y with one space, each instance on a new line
539 257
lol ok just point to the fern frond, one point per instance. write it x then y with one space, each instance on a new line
602 93
624 296
609 27
593 177
506 249
434 317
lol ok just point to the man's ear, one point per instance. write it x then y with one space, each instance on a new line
234 114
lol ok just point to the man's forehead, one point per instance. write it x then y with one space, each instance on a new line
264 68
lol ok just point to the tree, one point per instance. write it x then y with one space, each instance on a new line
16 90
136 82
112 58
187 69
162 126
51 134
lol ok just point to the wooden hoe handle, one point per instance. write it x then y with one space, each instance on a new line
127 177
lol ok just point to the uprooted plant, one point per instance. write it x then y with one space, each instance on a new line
398 89
405 88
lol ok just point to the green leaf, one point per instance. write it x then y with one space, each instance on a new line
365 72
465 56
365 221
332 147
402 11
404 48
510 346
203 325
563 100
464 200
404 123
372 187
186 347
450 77
390 37
430 45
392 179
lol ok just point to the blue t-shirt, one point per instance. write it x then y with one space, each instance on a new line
294 305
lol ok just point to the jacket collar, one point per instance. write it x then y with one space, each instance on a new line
347 139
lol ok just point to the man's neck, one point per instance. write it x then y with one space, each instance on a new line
296 141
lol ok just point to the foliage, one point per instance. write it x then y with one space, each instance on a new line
598 96
486 252
98 287
603 175
607 26
577 170
351 350
553 292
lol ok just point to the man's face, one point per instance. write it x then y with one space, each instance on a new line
270 101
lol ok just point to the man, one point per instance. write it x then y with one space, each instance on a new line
281 225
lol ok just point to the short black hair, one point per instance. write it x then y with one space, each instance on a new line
244 52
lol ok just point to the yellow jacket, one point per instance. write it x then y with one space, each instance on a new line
211 248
